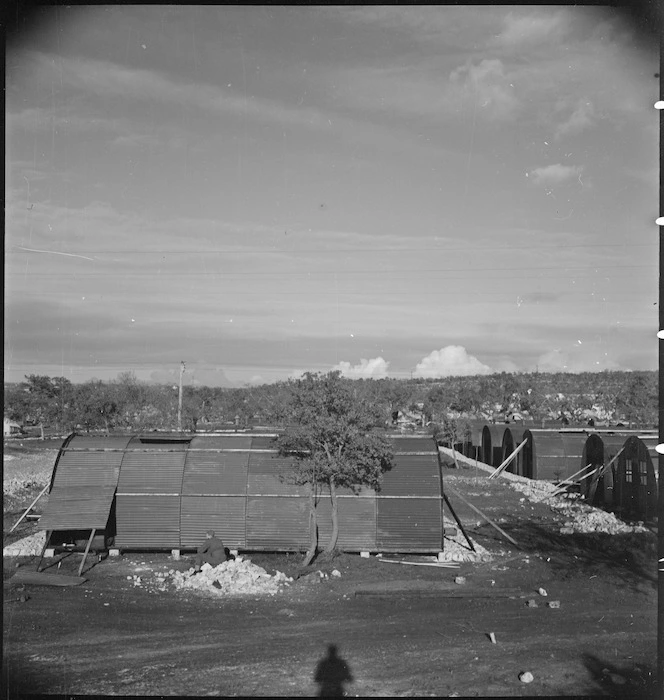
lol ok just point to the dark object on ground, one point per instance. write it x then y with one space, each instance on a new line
43 579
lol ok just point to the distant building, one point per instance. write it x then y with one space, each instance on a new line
10 427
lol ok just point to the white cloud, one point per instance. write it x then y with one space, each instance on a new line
376 368
450 361
582 117
555 174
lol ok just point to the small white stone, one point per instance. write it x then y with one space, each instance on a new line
526 677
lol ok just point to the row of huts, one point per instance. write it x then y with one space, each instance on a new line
161 492
628 486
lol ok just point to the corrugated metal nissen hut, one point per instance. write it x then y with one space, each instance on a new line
160 492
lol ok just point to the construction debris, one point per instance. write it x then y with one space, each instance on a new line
27 547
234 577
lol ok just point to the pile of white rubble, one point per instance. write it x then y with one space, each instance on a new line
32 545
455 547
233 577
584 518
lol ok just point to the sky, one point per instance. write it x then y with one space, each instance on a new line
391 191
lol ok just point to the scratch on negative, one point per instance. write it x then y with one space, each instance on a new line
54 252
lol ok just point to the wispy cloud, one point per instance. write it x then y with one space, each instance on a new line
555 174
581 118
489 85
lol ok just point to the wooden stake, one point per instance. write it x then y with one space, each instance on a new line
87 549
29 508
508 460
481 514
48 538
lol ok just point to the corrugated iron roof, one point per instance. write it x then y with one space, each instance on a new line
214 472
82 493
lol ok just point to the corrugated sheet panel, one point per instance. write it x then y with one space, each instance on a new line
82 509
357 523
83 490
88 469
147 522
152 472
264 442
269 463
280 523
210 473
410 524
414 444
412 475
273 485
223 514
221 442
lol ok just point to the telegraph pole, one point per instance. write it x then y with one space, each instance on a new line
180 397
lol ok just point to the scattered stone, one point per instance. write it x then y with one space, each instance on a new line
460 580
542 592
336 573
532 603
617 679
526 677
566 530
554 604
492 637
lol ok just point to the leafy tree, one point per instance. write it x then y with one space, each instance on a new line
334 443
96 406
50 400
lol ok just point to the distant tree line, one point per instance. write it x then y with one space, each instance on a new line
55 404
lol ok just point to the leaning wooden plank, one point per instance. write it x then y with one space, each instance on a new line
506 463
481 514
30 507
465 534
87 549
439 564
600 473
41 578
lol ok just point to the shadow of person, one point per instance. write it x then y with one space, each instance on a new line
332 672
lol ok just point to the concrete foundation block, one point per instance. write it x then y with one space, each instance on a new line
49 553
113 552
175 553
365 555
234 552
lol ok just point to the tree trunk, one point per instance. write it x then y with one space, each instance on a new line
313 532
335 520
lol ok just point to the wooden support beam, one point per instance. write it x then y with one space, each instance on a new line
41 558
456 517
30 507
506 463
87 549
481 514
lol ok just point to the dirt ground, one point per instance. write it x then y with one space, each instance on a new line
401 630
